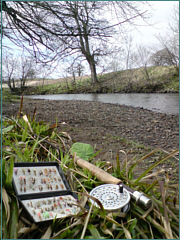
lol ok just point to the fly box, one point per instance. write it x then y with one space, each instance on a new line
44 191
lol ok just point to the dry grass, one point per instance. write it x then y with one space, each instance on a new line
162 79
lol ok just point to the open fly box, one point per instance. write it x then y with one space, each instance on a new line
44 191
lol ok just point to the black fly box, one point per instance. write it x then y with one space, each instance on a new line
44 191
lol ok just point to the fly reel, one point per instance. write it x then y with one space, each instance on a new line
113 197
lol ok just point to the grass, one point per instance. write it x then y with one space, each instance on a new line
8 96
161 79
135 80
24 139
136 151
131 143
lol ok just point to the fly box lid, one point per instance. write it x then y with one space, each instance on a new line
43 190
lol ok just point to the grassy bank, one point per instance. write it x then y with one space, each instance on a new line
8 96
155 79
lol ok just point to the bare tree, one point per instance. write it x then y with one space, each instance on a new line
17 70
162 57
128 52
171 47
9 67
44 70
131 60
174 24
113 63
65 28
26 70
143 56
75 69
79 69
71 70
170 40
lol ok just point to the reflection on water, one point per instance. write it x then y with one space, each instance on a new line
158 102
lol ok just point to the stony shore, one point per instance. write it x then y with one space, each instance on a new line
111 128
94 122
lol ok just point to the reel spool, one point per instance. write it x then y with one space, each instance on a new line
113 197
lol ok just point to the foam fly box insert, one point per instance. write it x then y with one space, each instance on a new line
44 191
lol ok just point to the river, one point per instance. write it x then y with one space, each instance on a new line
159 102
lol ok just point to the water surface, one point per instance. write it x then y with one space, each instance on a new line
158 102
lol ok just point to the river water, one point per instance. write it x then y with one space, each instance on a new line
159 102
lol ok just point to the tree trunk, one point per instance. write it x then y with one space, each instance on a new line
146 73
13 83
9 83
94 78
23 81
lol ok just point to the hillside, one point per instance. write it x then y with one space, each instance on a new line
155 79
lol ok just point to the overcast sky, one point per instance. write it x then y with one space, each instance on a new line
161 15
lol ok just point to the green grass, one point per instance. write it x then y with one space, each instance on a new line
8 96
23 140
130 143
161 79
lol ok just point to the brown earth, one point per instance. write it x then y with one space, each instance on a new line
106 126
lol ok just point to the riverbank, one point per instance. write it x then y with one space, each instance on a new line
109 127
159 80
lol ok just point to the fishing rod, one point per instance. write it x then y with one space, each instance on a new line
107 178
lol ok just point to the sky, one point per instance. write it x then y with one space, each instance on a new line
145 35
161 15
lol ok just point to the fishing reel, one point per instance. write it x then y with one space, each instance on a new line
112 197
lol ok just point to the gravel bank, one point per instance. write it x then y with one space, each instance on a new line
105 126
98 120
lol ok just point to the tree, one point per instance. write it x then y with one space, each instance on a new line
115 64
66 28
74 69
143 56
79 69
170 41
171 48
163 57
128 52
26 70
17 69
174 24
9 65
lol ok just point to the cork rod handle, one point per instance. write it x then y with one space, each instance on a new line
96 171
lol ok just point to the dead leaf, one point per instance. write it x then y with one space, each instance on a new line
47 234
5 200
